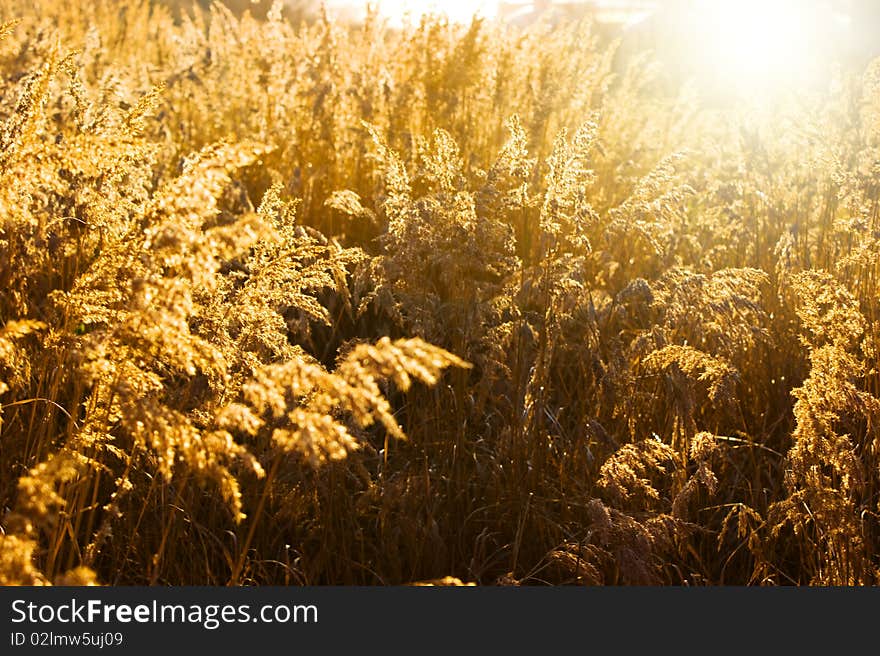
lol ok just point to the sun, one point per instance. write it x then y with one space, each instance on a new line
754 43
747 46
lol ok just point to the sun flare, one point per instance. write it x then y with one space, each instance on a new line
743 45
756 41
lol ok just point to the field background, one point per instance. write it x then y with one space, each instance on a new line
289 301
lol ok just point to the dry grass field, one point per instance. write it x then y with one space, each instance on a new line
306 304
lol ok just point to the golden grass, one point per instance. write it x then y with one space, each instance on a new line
322 304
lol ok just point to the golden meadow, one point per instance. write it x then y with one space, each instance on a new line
318 304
